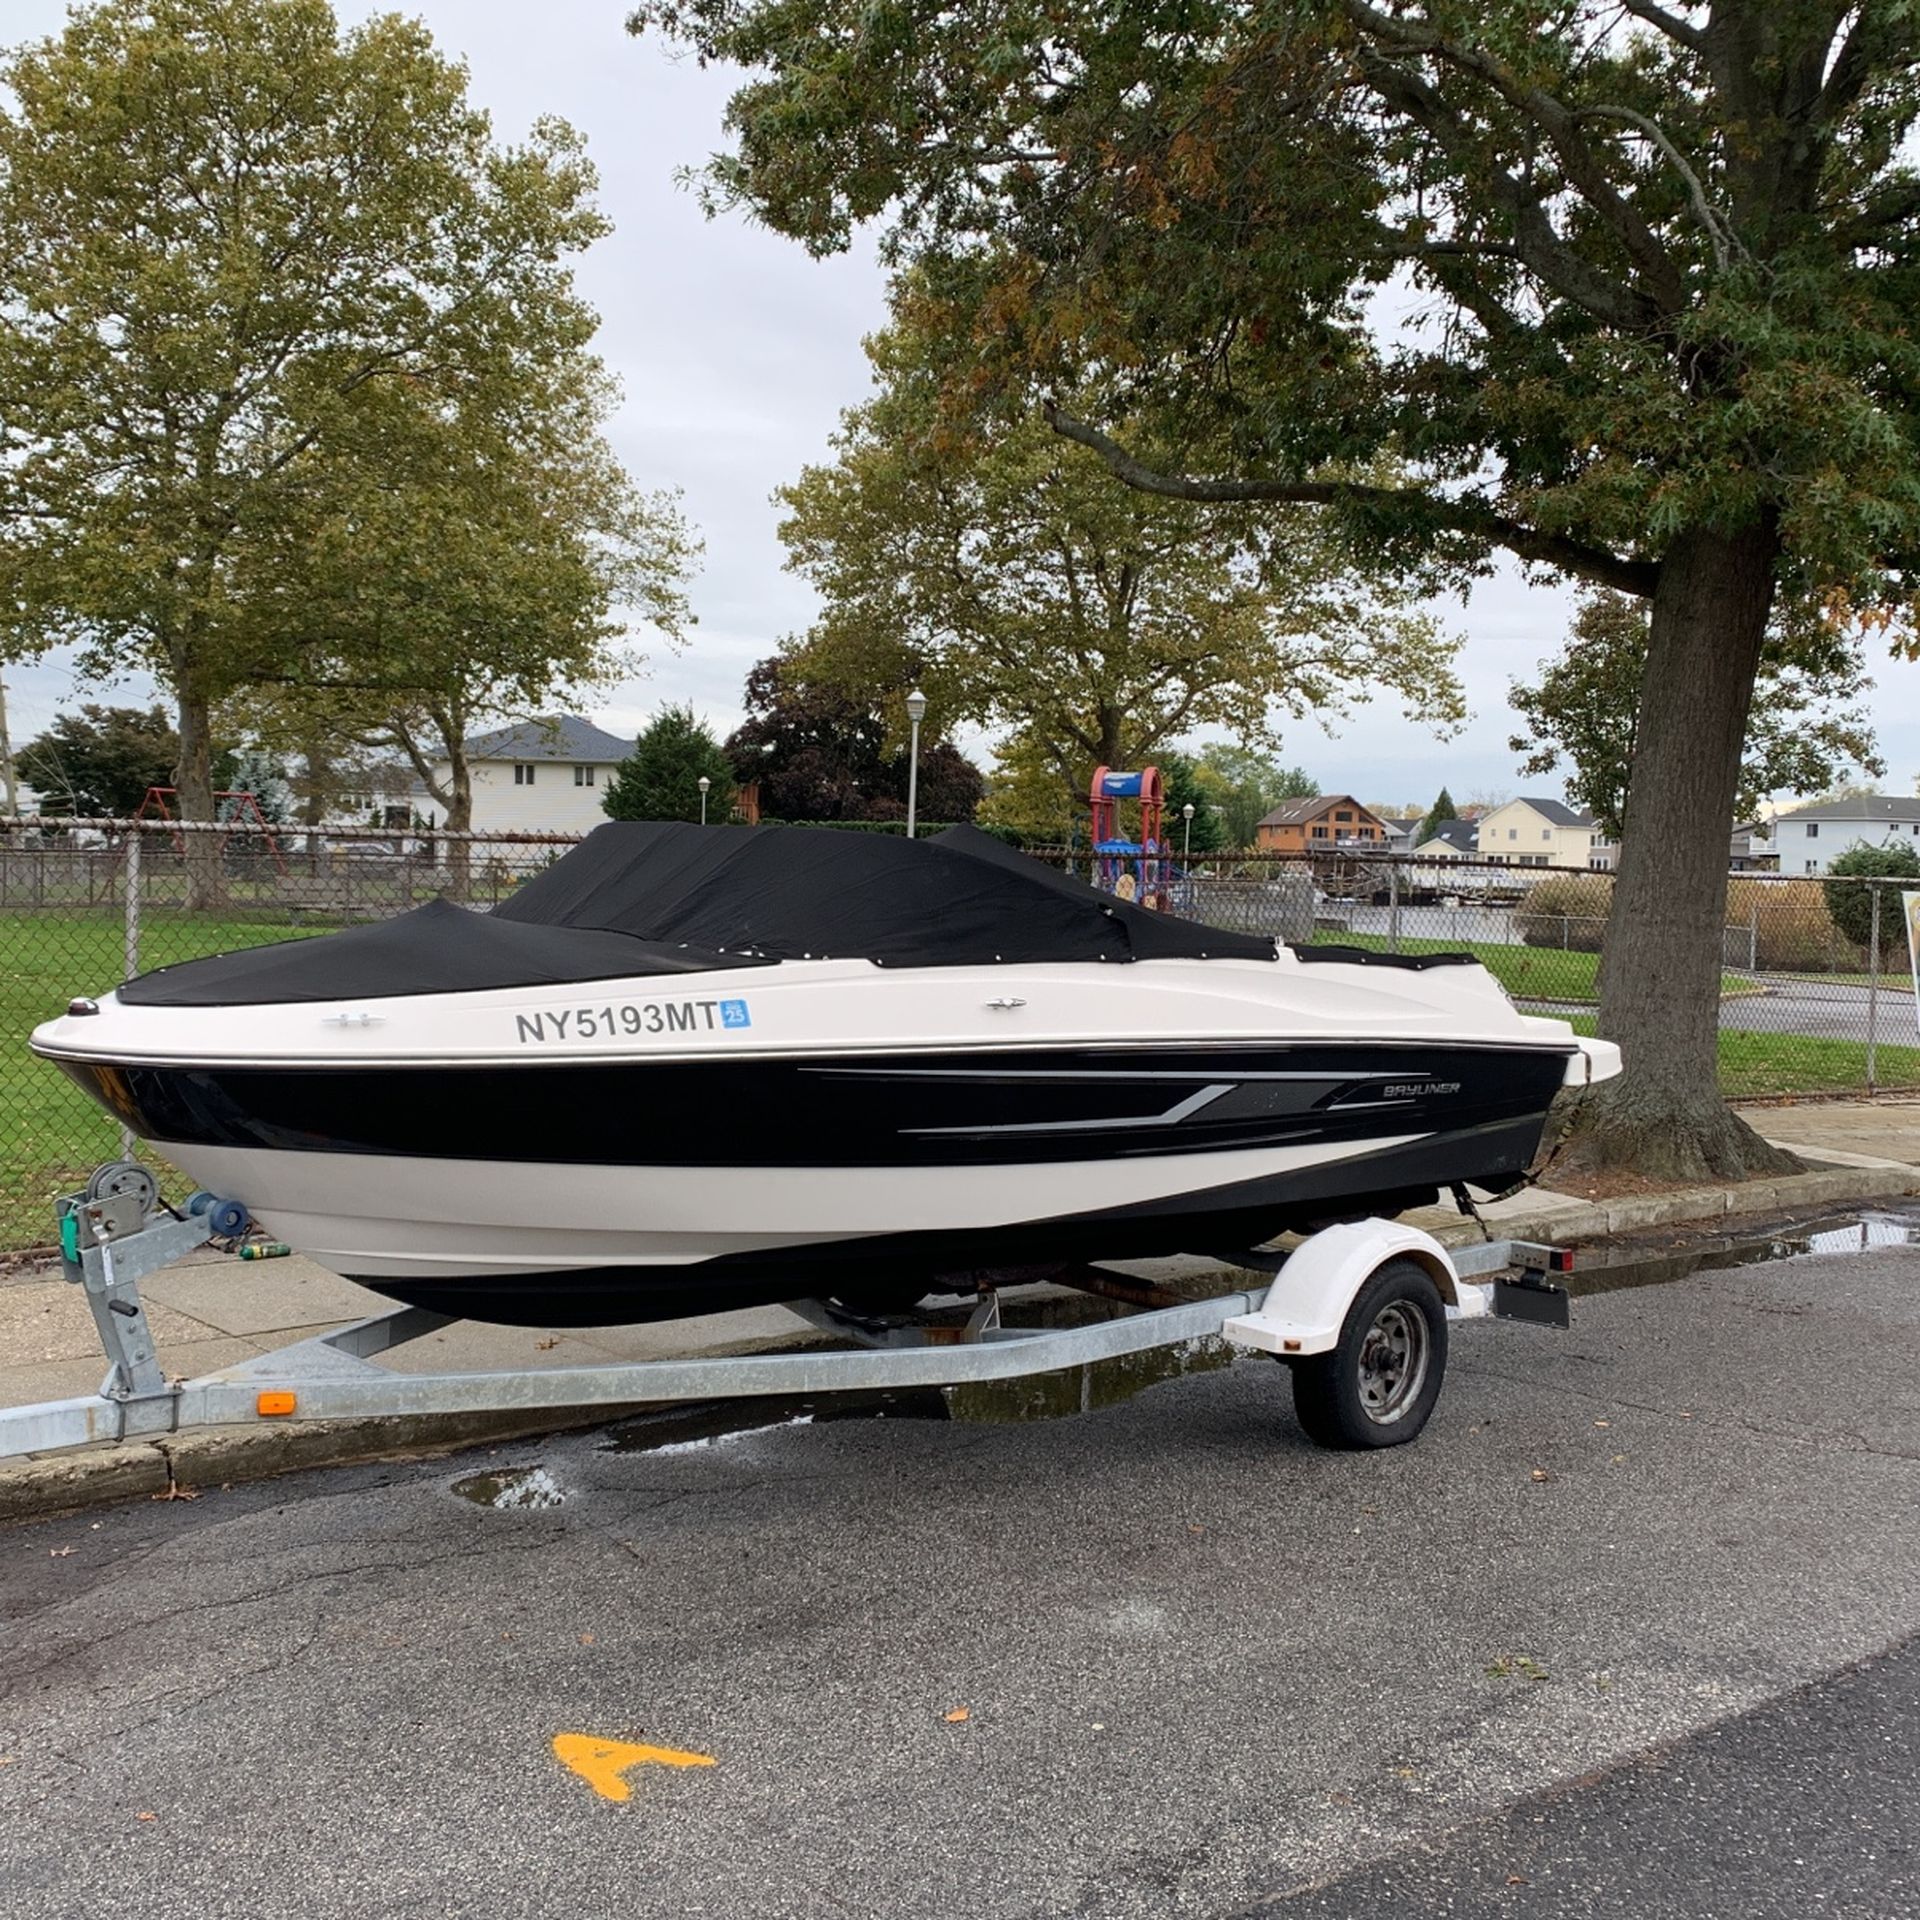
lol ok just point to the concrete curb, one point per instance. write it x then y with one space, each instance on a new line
189 1461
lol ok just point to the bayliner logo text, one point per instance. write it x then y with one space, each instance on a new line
632 1019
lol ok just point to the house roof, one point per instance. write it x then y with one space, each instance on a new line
1557 812
1863 806
1296 813
563 736
1463 836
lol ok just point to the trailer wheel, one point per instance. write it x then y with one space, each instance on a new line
1378 1384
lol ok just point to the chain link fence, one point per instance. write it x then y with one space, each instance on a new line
1811 1001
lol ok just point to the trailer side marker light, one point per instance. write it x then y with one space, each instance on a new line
274 1405
1560 1260
1289 1346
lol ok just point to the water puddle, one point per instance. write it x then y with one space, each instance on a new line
511 1489
1616 1267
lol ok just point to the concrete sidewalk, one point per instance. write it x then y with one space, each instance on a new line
210 1311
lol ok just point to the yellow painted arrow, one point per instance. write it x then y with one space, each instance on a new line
604 1764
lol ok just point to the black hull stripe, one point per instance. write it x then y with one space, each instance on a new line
926 1110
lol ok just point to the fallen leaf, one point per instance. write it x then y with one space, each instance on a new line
146 1816
547 1346
1603 1423
1518 1880
59 1553
1540 1475
1193 1527
959 1714
586 1639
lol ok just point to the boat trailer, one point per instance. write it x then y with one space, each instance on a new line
1359 1312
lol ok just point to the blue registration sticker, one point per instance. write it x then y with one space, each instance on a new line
733 1013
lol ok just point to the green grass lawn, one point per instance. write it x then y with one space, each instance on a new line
1527 973
1756 1064
50 1132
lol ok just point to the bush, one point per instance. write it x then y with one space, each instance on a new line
1850 905
1565 910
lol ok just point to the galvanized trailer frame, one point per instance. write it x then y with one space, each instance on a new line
113 1240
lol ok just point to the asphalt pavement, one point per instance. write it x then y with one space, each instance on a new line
1607 1618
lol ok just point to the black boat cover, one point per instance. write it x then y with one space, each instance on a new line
660 897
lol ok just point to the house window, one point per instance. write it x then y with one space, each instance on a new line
522 773
1319 833
1599 866
1343 816
1813 830
1546 834
1513 833
1813 866
583 776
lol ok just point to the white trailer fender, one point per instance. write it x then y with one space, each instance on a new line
1307 1303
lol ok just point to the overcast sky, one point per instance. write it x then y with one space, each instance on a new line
737 352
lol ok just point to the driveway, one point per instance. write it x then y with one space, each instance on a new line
1159 1660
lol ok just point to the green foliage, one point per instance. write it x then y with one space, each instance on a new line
259 275
1001 570
660 778
257 772
1851 905
1244 786
823 752
101 760
1585 709
1185 786
1438 815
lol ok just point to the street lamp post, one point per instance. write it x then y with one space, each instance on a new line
705 783
916 712
1186 840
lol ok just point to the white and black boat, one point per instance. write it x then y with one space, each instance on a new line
689 1069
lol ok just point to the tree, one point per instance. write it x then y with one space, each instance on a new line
1245 786
1585 709
100 761
660 778
1850 904
465 565
1657 265
1441 812
257 772
228 233
1000 569
822 752
1186 786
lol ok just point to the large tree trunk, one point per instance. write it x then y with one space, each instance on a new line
1660 973
459 818
193 789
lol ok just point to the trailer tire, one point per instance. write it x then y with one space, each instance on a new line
1378 1383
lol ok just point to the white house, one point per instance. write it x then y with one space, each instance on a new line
1450 840
542 776
1544 833
1809 838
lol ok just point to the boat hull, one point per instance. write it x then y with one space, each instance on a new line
625 1192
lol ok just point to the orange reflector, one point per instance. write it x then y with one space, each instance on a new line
1290 1346
274 1403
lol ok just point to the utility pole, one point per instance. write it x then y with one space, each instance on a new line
6 757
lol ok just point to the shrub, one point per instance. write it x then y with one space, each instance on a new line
1850 905
1567 910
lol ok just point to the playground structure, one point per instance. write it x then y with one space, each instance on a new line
1139 869
239 812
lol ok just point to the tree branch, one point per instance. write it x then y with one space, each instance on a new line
1725 242
1682 32
1462 516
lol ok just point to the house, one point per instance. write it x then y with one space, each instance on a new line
542 776
1400 832
1808 839
1752 850
1450 840
1321 824
1544 833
